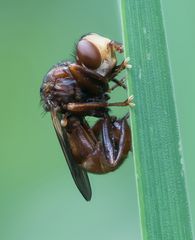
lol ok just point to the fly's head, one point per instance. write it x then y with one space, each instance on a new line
97 53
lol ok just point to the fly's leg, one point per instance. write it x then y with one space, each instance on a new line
116 151
83 107
118 83
78 69
94 82
116 140
111 144
128 102
89 79
116 70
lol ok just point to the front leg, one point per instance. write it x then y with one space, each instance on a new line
95 82
117 69
89 79
118 83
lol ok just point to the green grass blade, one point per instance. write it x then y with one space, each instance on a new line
160 180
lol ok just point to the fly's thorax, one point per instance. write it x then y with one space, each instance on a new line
58 88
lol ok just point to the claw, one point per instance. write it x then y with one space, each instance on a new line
126 63
129 101
129 66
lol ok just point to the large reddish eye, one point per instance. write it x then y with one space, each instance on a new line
88 54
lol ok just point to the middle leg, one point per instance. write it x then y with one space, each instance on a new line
84 107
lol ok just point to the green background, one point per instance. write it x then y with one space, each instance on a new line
38 198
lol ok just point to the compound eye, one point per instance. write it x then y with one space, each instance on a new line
88 54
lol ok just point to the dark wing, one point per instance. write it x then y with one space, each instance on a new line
79 175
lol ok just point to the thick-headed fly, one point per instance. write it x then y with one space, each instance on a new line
73 90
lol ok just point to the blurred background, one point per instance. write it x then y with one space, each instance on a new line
38 197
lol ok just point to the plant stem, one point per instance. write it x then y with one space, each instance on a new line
157 151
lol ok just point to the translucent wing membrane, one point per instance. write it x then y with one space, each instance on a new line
79 175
